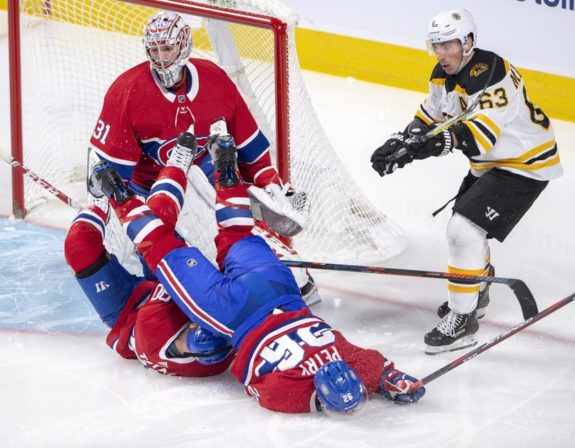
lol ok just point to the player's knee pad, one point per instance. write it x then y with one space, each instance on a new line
207 347
462 233
108 285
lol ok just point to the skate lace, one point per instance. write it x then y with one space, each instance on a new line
226 156
449 324
181 156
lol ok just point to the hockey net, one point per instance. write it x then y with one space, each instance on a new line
71 51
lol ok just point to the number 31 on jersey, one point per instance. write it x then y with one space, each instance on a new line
101 132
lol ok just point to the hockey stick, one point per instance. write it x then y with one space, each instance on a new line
40 181
519 288
446 124
496 340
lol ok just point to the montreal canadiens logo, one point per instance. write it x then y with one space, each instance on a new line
165 150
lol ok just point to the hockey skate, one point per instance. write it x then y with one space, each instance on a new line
482 300
183 153
105 181
101 202
225 159
454 332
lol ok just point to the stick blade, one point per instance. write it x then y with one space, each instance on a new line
525 298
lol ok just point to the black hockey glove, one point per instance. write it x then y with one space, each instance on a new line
391 155
438 145
417 128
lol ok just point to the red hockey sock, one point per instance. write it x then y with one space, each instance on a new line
234 216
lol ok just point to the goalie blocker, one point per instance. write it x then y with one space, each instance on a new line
281 207
285 211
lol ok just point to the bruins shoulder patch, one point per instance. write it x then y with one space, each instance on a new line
477 69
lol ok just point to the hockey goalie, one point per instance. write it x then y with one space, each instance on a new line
149 105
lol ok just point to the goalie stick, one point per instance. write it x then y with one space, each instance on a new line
496 340
519 288
39 180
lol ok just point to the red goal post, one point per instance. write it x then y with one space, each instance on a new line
65 53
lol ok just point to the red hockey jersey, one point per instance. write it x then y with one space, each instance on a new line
141 119
148 325
277 361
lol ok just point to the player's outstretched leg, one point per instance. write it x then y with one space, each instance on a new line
106 283
151 236
233 215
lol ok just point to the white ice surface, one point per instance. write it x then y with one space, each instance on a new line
60 386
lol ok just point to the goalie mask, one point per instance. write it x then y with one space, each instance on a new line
168 44
449 25
339 389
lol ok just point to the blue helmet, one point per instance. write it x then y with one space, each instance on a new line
339 389
207 347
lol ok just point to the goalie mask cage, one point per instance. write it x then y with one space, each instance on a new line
64 54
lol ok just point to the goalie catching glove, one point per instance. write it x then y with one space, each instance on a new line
402 148
285 211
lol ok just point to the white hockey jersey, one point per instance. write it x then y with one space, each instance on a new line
507 131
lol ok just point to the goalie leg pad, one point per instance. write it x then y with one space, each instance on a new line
108 288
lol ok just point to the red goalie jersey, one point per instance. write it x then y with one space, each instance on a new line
141 119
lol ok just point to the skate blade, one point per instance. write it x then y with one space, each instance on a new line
468 341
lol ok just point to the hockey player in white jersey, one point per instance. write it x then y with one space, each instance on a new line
512 153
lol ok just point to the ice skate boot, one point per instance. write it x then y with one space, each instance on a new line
105 181
226 155
184 152
454 332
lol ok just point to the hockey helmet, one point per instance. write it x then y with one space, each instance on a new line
339 389
207 347
168 29
449 25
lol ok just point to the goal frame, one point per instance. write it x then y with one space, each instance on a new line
281 78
